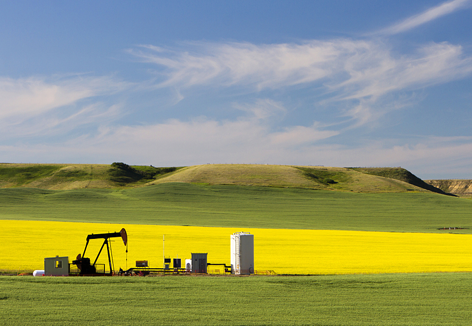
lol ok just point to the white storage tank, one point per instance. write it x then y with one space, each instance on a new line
188 265
242 253
38 272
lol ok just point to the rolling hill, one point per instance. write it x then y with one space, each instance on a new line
120 175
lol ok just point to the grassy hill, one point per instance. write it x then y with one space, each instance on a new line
322 178
78 176
120 175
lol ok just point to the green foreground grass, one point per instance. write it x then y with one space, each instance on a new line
243 207
411 299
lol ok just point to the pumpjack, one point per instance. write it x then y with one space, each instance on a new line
83 263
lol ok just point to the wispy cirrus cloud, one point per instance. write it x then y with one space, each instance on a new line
359 68
262 108
27 97
380 72
59 125
44 106
260 66
360 71
424 17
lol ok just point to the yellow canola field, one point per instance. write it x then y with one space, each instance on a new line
25 244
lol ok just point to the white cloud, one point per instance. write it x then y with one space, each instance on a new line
201 139
59 125
431 14
259 66
380 73
204 135
27 97
367 66
263 108
34 106
361 72
298 135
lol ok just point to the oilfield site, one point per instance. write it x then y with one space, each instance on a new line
231 163
242 260
291 234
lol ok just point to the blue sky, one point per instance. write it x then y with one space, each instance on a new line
173 83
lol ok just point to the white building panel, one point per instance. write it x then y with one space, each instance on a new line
242 253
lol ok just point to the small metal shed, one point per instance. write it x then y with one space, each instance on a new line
56 266
199 263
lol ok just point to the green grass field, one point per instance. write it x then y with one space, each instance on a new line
239 206
409 299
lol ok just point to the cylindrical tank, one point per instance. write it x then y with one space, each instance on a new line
242 253
38 272
188 265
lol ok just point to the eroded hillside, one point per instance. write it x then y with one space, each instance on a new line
462 188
